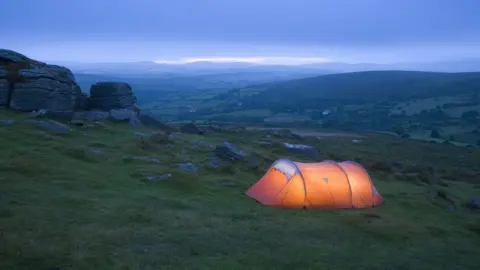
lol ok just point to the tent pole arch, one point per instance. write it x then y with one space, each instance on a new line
297 171
369 178
346 175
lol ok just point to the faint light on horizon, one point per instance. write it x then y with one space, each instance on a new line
252 60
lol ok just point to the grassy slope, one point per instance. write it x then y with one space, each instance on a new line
374 85
356 88
63 206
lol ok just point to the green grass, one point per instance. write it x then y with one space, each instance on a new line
65 207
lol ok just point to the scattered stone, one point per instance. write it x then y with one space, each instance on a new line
97 151
229 152
106 96
92 115
38 113
216 162
284 133
264 143
174 136
188 167
159 177
51 125
190 128
148 159
7 122
473 204
140 134
121 114
79 123
306 150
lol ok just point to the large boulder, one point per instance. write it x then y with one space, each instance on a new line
29 85
126 115
228 151
106 96
121 114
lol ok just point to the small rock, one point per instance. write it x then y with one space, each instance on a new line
306 150
148 159
39 113
8 122
159 177
97 151
229 152
356 141
473 204
79 123
188 167
174 136
51 125
140 134
216 162
264 143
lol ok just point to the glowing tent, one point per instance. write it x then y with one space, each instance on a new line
326 184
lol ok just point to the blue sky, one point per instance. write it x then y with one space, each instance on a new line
271 30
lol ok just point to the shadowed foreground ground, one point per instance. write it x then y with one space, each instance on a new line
64 206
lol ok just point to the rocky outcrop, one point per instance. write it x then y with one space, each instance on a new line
106 96
29 85
3 90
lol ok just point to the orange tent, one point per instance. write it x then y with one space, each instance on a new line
327 184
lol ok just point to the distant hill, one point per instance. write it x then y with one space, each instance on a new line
204 67
407 103
150 87
360 87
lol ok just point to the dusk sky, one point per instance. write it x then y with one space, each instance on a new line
265 31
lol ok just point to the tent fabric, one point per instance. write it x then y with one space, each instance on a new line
326 184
